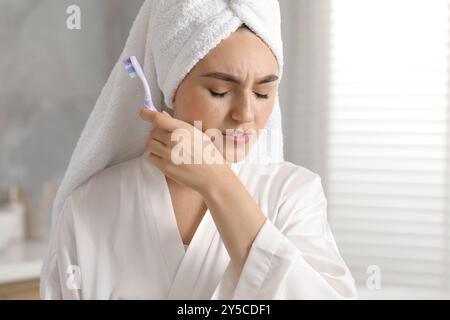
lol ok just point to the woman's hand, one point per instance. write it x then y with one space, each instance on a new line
182 151
236 214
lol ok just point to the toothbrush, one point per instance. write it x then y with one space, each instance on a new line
134 68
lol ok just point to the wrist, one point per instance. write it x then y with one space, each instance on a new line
218 179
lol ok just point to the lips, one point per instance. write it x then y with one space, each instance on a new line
238 136
237 132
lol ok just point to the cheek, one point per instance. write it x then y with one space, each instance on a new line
262 117
198 106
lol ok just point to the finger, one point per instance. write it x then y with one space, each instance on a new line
160 135
147 114
156 160
158 148
159 119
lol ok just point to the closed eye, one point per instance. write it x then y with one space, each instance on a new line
216 94
262 96
221 95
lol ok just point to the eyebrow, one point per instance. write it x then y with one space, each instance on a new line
231 78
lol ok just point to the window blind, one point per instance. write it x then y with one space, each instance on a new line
368 104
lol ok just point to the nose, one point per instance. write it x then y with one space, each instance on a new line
243 109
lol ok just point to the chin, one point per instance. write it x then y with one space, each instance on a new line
237 153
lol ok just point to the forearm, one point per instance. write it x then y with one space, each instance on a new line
237 216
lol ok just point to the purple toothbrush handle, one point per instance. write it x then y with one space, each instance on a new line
150 105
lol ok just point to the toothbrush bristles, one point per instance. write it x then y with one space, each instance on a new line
130 70
127 62
129 67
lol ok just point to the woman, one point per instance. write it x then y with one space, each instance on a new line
149 227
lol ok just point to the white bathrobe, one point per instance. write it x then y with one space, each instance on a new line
119 230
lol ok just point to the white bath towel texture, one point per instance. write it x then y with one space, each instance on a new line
170 37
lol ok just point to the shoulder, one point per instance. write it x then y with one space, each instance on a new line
299 187
101 192
295 193
293 172
285 177
302 202
301 179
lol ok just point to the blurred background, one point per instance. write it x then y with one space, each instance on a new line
365 104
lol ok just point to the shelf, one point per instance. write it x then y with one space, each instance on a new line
22 261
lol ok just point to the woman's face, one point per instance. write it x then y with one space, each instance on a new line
233 87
